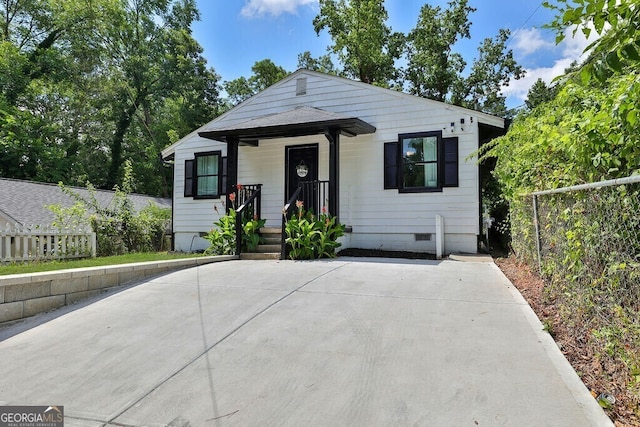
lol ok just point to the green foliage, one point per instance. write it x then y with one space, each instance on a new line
433 67
311 238
617 24
363 41
589 240
265 74
119 228
222 238
369 51
86 85
322 64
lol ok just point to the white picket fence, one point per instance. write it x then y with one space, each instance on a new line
23 243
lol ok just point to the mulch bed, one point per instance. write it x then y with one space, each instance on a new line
355 252
599 376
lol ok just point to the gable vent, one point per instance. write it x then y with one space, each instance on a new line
301 86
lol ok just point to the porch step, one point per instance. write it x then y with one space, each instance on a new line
257 256
265 248
271 230
270 248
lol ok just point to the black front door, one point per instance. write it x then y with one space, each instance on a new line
297 157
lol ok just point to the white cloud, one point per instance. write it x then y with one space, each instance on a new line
570 49
257 8
528 41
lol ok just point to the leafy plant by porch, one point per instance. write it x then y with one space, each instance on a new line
309 237
222 239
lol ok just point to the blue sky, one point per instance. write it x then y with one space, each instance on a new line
237 33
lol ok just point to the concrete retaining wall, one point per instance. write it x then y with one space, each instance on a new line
25 295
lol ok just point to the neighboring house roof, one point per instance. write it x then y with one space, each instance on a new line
235 120
25 202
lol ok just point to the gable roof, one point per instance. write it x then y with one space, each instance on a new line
480 116
25 202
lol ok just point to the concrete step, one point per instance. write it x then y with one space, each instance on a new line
255 256
268 248
270 230
271 240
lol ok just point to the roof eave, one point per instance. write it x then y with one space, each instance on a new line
349 127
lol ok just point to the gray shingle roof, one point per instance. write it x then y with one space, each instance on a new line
298 121
25 202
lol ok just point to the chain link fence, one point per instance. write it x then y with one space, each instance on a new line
589 235
585 241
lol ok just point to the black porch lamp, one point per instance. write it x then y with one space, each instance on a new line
302 169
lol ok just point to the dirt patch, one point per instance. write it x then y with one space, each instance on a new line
599 376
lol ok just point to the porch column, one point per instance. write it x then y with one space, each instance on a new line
333 135
232 167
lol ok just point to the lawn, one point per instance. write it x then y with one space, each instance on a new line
34 267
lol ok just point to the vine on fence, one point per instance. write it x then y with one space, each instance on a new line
590 259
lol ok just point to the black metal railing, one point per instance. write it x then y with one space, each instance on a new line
249 206
315 198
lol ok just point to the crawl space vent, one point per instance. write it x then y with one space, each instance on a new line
301 86
423 237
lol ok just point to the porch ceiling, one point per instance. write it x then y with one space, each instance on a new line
300 121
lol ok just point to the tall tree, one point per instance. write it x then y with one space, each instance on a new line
87 84
149 56
265 74
491 71
433 68
363 41
539 93
322 64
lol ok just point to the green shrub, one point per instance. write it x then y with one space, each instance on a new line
222 239
312 238
119 228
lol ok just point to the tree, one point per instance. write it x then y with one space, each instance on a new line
86 85
539 93
433 68
265 74
490 72
365 45
322 64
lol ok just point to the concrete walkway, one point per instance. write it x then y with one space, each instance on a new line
347 342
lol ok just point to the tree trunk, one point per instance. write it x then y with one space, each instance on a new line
122 125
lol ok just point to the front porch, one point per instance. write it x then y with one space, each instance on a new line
284 153
248 204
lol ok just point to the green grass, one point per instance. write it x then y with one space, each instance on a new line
38 266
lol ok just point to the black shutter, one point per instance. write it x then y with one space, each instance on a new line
189 166
223 177
391 165
450 163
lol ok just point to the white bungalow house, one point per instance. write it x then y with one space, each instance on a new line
393 167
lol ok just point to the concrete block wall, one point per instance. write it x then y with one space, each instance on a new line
25 295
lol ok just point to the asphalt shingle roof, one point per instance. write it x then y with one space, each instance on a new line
25 202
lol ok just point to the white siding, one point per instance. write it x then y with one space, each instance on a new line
379 218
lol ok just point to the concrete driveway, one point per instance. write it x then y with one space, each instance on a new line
347 342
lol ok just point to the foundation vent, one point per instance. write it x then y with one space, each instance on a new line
423 237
